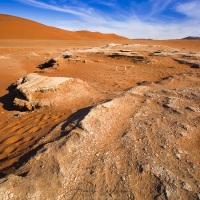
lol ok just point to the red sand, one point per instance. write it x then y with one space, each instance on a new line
19 28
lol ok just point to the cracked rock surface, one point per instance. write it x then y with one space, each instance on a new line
36 91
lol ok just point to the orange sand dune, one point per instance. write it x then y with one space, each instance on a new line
19 28
95 35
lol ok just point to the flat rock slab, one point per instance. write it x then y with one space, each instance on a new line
35 91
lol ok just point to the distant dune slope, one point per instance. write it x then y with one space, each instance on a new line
19 28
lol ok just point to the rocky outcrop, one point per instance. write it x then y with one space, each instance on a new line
36 91
136 53
141 145
188 58
131 56
191 63
123 48
49 63
175 53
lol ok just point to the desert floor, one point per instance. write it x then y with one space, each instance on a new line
109 76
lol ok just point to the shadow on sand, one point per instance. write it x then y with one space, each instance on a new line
7 99
74 119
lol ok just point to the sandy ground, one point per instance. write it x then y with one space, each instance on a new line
109 76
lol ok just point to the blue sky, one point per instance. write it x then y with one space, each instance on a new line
156 19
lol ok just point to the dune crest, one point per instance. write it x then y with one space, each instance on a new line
19 28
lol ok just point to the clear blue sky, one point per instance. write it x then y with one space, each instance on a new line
156 19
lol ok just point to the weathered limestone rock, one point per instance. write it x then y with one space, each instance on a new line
36 91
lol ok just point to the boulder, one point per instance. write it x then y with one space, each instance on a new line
35 91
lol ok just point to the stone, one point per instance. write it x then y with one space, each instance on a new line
35 91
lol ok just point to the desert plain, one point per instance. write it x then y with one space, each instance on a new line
94 116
